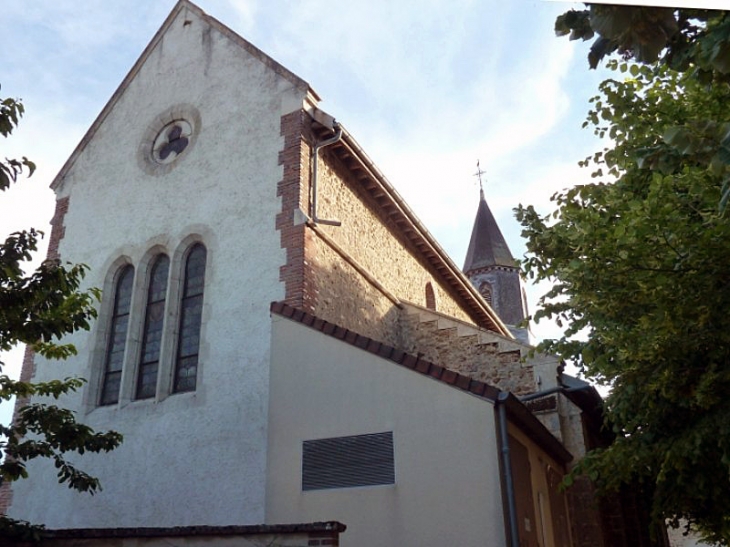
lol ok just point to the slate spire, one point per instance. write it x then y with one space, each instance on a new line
487 247
493 271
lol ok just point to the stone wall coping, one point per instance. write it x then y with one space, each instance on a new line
188 531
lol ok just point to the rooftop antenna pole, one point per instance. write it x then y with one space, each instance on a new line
479 174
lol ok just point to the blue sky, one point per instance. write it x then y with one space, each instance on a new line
427 87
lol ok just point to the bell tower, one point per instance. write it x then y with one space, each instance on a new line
493 271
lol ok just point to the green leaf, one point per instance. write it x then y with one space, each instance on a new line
638 274
40 309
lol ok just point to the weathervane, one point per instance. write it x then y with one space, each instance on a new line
479 174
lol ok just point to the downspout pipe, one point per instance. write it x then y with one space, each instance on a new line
315 155
509 485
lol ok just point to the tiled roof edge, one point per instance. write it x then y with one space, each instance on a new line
181 531
423 366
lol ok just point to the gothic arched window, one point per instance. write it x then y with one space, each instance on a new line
485 289
191 311
153 327
117 338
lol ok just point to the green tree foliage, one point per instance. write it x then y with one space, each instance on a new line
37 310
684 39
640 261
10 113
692 41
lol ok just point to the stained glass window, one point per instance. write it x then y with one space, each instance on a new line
153 325
117 341
191 308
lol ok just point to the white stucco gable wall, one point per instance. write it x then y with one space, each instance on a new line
189 458
447 487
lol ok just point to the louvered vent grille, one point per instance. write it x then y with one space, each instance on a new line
344 462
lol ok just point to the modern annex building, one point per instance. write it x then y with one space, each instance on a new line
284 346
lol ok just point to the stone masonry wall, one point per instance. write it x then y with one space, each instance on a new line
371 239
497 361
345 297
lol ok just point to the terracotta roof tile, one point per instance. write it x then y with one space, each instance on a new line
386 351
436 371
373 346
477 387
423 366
195 531
449 376
362 341
409 361
462 382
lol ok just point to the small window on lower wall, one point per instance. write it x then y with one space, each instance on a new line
346 462
430 297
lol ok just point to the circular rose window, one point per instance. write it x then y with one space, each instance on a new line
171 141
171 135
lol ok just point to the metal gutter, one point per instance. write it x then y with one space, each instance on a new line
315 156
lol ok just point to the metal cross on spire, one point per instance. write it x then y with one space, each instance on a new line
479 174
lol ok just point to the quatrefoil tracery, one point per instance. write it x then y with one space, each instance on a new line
171 141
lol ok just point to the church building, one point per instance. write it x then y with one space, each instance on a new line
291 356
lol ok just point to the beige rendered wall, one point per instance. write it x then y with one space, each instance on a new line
447 489
372 240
